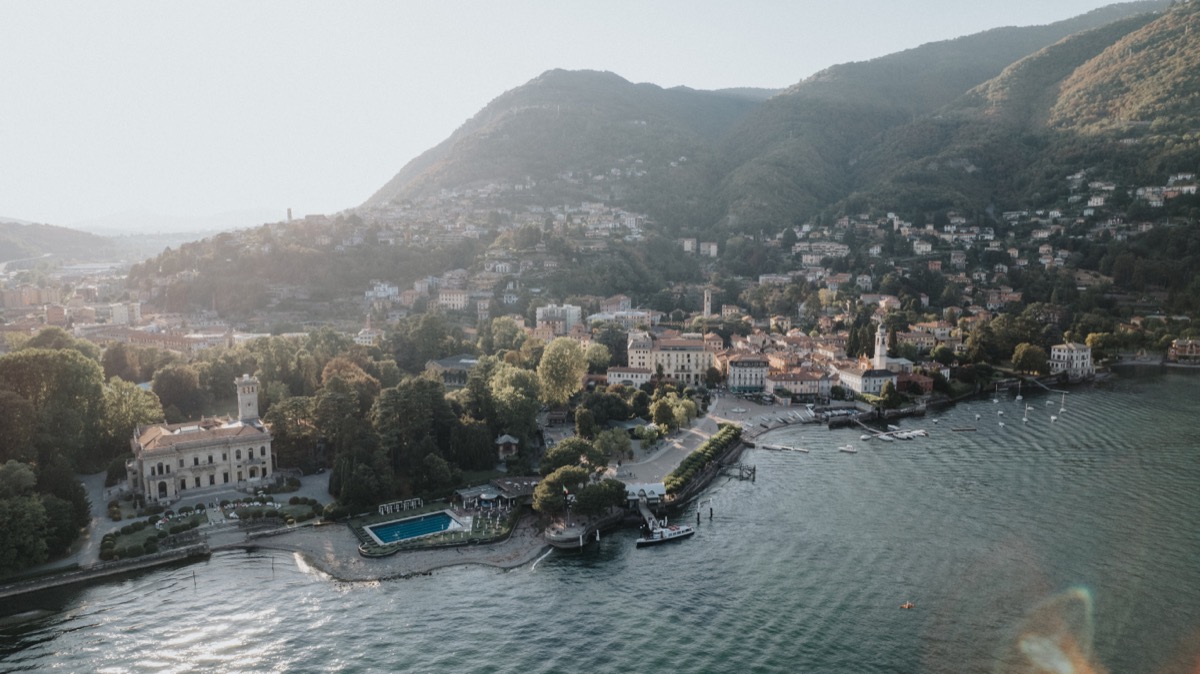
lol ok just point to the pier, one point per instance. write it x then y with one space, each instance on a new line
740 470
105 569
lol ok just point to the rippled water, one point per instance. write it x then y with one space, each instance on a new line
803 570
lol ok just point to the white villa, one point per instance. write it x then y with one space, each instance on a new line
1073 358
170 460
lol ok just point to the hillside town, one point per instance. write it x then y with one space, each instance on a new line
854 262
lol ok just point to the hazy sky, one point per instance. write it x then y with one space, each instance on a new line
197 108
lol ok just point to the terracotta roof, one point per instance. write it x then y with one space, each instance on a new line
164 436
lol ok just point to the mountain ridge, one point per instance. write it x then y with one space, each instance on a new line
753 163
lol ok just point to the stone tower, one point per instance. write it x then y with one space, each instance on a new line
247 394
880 361
707 302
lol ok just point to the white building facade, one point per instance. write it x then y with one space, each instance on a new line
1073 358
171 460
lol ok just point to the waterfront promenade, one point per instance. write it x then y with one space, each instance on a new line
333 548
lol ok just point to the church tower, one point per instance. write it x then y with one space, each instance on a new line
880 361
247 394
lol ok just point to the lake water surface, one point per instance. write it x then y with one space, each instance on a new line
1004 538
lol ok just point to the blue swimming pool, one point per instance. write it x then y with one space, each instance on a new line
412 527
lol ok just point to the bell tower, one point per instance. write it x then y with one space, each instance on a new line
880 361
247 395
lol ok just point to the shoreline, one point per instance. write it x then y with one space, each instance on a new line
333 550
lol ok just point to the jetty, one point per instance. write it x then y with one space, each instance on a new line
106 569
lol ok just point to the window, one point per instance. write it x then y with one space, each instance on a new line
182 485
239 476
212 479
224 456
181 463
210 458
197 482
262 451
238 455
195 461
225 478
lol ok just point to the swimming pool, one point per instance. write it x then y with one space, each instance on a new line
412 527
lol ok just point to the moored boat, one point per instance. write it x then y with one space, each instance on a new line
663 534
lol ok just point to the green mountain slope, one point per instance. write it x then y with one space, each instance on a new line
20 241
564 122
1114 100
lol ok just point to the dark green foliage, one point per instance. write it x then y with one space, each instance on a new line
702 456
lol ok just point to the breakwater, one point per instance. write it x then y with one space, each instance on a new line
104 570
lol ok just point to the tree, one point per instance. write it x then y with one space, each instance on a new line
18 423
364 385
126 406
549 497
712 377
57 478
119 361
514 392
561 370
294 435
506 334
22 541
598 358
600 497
942 354
585 423
179 386
1030 358
64 389
889 397
662 414
614 443
573 452
412 420
56 338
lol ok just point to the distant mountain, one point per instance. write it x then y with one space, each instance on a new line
136 222
564 122
20 241
740 161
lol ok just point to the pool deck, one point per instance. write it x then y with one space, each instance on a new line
333 549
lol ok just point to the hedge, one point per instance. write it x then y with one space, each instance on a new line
695 462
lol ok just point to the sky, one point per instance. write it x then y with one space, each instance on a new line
144 114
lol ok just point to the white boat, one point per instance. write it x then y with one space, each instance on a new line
1019 396
885 437
865 436
848 448
663 534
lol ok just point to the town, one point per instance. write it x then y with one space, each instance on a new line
892 313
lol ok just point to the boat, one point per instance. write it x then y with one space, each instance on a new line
1019 396
865 436
663 534
849 448
908 604
885 437
962 429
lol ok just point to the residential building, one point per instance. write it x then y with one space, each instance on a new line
1184 351
747 372
1073 358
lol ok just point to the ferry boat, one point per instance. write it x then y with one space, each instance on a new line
663 534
